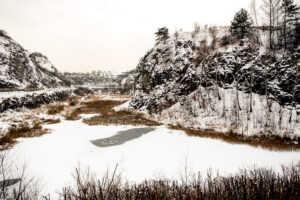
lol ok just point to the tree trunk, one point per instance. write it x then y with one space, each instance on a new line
284 29
270 25
251 85
217 86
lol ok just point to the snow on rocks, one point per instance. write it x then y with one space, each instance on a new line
35 99
43 62
20 69
173 70
203 109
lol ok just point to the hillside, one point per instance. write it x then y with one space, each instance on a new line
21 69
208 80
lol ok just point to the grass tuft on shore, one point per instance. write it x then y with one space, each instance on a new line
21 130
107 115
266 141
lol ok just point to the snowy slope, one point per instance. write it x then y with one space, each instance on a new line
20 69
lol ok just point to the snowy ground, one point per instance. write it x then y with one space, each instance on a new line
23 93
160 153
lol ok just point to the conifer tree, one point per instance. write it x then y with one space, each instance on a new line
162 35
241 24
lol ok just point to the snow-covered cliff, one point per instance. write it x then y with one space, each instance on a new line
210 81
20 69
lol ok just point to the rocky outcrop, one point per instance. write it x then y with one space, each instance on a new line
36 99
248 70
174 69
165 74
20 69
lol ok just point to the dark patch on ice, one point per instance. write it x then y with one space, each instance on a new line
122 136
8 182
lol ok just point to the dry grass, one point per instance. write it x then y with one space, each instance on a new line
107 115
92 107
72 115
270 142
22 130
72 101
51 121
101 106
120 118
248 184
55 109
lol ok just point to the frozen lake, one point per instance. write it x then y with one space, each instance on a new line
160 152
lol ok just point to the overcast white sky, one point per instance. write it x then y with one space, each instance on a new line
85 35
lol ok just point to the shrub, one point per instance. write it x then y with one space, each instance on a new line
251 184
55 109
22 130
226 40
17 185
267 141
82 91
51 121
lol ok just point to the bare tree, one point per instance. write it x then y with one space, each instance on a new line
251 87
276 16
213 33
255 16
197 29
289 11
216 82
15 184
176 36
270 8
267 8
251 79
294 90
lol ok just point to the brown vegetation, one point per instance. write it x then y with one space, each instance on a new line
267 141
120 118
247 185
22 130
226 40
93 107
55 109
51 121
107 115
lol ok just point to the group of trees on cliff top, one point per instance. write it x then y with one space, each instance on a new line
280 17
